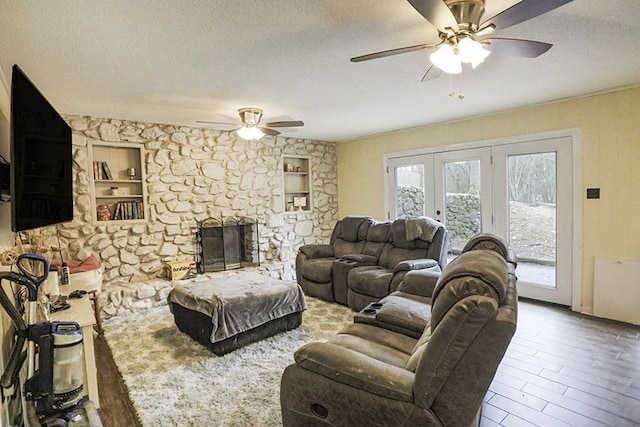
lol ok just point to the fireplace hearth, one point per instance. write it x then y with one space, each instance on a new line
227 244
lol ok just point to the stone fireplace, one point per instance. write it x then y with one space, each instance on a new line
227 244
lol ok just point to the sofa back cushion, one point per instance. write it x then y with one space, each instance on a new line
350 235
487 241
479 272
377 237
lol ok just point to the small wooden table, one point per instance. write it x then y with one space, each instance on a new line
81 312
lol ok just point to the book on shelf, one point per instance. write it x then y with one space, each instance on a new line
101 170
128 210
96 169
106 170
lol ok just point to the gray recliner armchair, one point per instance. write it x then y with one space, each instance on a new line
369 375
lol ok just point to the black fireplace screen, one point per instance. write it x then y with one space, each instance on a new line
227 244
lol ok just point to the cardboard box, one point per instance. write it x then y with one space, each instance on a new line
178 270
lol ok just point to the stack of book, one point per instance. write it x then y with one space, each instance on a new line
101 170
128 210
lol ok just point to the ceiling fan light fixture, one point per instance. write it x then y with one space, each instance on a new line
471 52
250 132
446 59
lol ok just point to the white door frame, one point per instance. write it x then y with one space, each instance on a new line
575 139
560 294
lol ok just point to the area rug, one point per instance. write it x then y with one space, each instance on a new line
174 381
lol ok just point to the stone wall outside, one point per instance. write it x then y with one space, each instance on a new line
193 174
463 216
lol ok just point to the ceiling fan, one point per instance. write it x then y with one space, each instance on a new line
250 128
461 30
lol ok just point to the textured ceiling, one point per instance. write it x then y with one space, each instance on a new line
176 62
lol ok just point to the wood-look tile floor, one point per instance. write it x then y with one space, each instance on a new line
566 369
561 369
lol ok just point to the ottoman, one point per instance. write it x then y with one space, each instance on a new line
234 309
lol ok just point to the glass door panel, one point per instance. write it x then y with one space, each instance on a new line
463 194
462 202
410 184
532 216
409 191
534 205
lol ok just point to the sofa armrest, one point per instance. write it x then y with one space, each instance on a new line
361 259
317 251
354 369
415 264
420 282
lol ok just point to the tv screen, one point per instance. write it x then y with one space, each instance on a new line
41 159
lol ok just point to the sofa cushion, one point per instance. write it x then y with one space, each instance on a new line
392 255
479 272
371 280
361 259
386 346
418 350
343 247
354 228
398 234
318 269
378 232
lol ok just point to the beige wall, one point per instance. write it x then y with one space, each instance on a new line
610 160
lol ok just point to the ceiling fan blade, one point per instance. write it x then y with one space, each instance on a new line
285 124
391 52
268 131
523 11
432 73
516 47
437 12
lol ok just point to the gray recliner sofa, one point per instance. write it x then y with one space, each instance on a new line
408 309
365 260
371 375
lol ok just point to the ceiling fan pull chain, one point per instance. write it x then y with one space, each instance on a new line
452 92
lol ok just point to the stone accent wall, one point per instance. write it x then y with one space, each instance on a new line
193 174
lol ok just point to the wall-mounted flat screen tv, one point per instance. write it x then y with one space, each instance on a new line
41 159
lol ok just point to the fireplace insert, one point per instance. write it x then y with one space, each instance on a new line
227 244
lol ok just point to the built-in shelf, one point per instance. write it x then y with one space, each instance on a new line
118 182
296 176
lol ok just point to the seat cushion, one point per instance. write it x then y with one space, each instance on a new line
386 346
317 270
370 280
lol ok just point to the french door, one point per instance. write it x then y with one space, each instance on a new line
514 190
